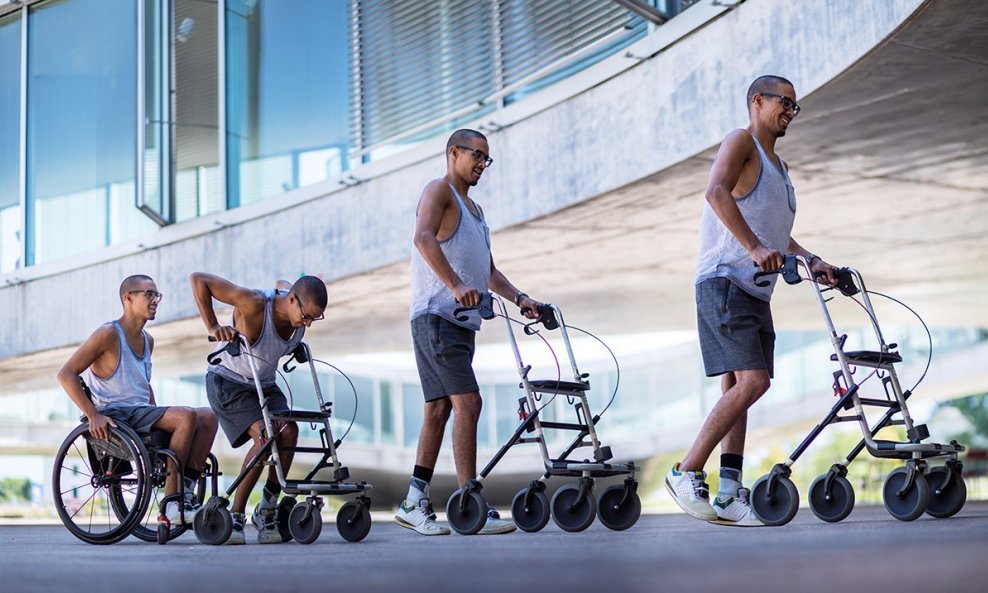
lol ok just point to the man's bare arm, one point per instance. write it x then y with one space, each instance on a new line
206 287
432 205
500 284
724 176
69 376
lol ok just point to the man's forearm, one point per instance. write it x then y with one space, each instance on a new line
433 255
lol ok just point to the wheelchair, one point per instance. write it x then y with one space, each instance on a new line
106 490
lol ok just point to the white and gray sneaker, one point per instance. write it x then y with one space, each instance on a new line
174 515
266 523
691 493
237 535
735 510
495 524
420 518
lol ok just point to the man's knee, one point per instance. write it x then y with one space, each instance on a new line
206 418
467 406
437 412
288 434
752 384
177 419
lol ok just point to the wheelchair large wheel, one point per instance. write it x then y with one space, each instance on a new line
835 505
353 521
304 529
530 510
616 511
777 507
569 511
89 473
947 497
910 504
472 517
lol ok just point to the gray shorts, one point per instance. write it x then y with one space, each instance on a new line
237 407
736 332
140 417
444 355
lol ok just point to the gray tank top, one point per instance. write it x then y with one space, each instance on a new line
267 350
468 251
130 383
769 209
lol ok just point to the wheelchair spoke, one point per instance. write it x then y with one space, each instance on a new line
83 505
84 458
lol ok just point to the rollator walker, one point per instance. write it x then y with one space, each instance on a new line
909 490
573 506
298 520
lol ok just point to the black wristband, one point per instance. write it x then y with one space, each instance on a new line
518 296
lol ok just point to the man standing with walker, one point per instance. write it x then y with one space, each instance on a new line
451 267
748 217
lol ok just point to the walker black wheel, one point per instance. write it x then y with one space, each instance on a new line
835 505
778 506
162 534
90 474
947 495
572 510
305 530
285 506
466 511
353 521
910 504
530 510
616 509
214 523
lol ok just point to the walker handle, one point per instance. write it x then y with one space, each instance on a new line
232 347
789 271
485 307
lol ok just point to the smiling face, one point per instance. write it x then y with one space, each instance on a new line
468 160
142 299
775 110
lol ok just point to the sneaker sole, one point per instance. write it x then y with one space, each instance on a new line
686 509
408 525
501 531
730 523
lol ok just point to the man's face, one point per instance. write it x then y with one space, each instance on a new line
470 159
305 313
143 300
776 109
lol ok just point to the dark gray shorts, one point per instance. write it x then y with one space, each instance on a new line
444 355
736 331
237 407
140 418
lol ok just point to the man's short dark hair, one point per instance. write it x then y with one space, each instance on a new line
133 283
766 84
461 136
311 290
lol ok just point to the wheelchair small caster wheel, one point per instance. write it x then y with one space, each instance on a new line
947 495
833 505
305 522
466 510
213 525
908 505
285 506
163 532
776 506
618 506
353 521
530 509
573 508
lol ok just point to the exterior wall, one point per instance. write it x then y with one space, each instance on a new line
647 118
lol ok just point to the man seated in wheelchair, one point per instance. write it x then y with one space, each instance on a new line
118 357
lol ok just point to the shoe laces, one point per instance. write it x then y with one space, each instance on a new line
425 507
268 517
743 494
238 521
700 488
493 514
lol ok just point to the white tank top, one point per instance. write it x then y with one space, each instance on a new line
130 382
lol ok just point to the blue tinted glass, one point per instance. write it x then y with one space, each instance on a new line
81 128
10 156
287 95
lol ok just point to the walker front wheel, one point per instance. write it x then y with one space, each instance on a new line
466 511
775 506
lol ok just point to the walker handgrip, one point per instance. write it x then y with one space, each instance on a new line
232 347
547 316
789 271
485 307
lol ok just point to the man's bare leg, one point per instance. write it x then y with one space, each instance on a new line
180 422
466 413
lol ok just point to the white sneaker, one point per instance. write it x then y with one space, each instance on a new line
736 510
691 493
420 518
495 524
173 512
237 535
266 523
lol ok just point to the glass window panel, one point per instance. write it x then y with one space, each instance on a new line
387 414
10 156
344 407
156 152
412 400
287 118
81 157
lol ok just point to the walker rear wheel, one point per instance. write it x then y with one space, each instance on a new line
304 529
353 521
947 497
776 506
469 515
573 510
910 504
530 510
833 505
616 510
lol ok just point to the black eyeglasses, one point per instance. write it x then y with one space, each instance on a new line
152 295
478 155
306 317
787 103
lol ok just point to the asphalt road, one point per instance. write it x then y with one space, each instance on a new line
869 551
